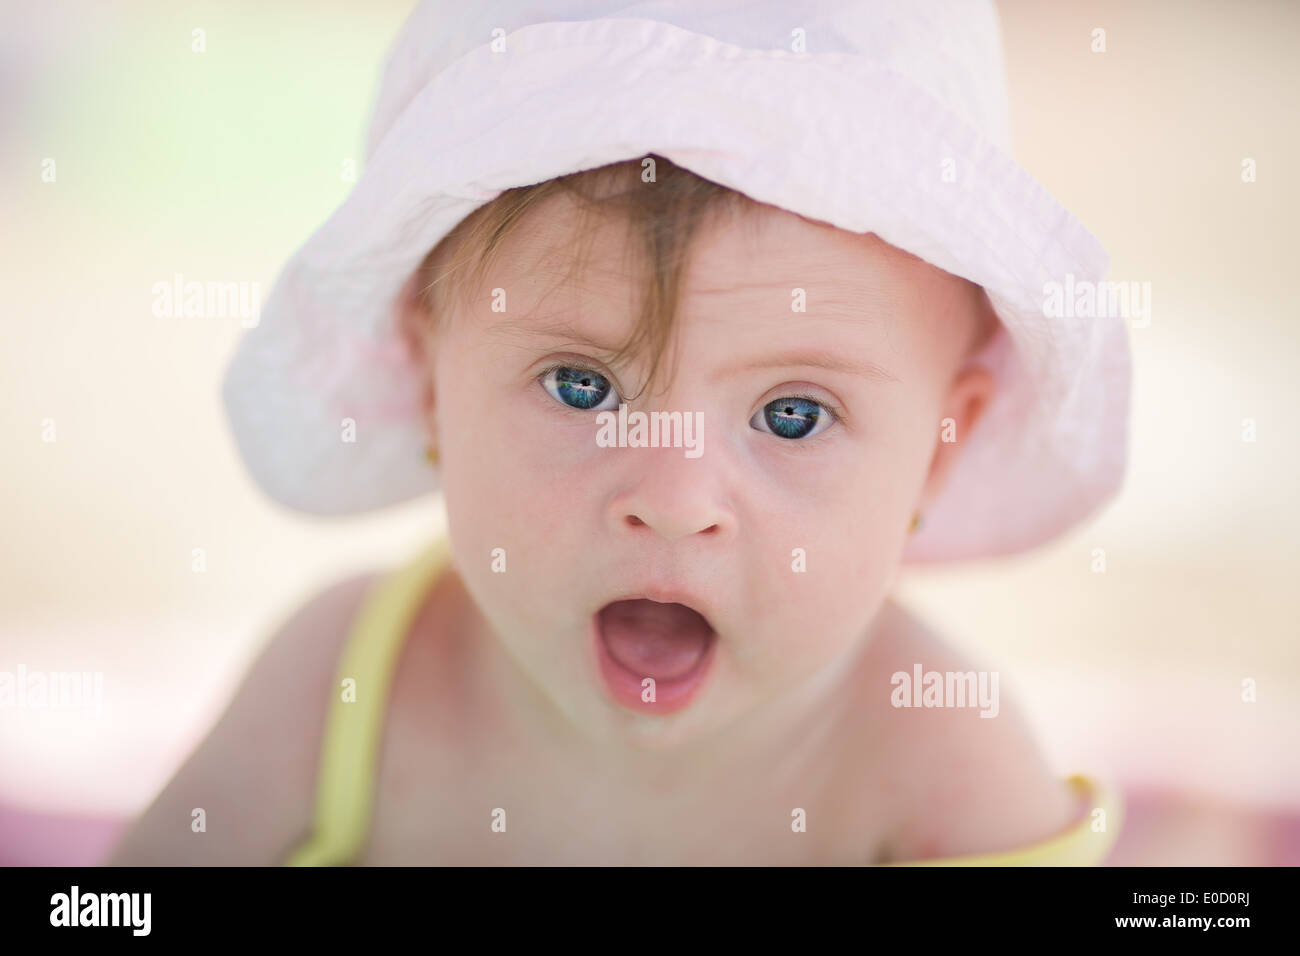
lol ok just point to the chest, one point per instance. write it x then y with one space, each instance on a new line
464 817
450 790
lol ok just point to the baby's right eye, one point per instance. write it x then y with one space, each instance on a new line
580 388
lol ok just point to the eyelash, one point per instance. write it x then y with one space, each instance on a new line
816 400
836 414
582 366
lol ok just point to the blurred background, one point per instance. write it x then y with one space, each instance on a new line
128 157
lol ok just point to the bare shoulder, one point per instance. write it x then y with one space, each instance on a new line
961 782
423 744
254 775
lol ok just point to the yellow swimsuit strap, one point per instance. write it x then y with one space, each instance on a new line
1086 843
349 753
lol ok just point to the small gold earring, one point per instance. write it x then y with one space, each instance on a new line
431 454
916 522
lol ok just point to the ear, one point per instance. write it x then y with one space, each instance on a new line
415 330
969 396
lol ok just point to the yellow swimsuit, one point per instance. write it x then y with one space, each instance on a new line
345 788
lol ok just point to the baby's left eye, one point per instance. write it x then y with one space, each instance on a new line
792 418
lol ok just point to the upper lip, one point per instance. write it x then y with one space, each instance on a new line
664 594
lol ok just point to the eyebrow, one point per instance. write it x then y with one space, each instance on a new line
556 331
814 359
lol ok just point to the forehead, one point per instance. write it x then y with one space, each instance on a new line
766 252
745 266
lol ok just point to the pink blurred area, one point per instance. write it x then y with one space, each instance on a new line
32 838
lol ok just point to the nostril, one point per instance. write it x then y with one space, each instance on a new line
634 522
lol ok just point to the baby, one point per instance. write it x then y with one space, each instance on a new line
629 653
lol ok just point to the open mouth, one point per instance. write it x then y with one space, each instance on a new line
668 643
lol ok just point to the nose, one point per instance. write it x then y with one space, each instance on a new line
670 495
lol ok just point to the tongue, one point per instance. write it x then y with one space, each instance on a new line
663 641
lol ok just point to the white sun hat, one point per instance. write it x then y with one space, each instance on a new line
881 117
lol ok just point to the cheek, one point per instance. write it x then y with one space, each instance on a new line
845 507
518 479
849 517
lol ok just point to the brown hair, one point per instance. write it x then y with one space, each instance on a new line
664 214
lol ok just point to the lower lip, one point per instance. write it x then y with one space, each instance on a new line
624 686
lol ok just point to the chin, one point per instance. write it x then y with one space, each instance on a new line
649 733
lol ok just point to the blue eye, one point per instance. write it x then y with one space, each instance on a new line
579 388
792 417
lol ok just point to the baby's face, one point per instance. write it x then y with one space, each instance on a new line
819 431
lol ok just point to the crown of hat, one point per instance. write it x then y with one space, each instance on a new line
949 48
